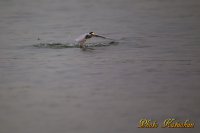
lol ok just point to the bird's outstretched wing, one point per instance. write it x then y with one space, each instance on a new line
100 36
103 37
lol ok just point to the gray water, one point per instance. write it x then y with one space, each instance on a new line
153 72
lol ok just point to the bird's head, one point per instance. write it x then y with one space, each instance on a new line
92 33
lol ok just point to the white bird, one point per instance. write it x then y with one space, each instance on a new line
82 39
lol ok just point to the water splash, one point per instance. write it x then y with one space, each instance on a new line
57 45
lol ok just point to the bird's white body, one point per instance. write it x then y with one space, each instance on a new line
81 38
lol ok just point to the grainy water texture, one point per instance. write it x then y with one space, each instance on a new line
152 72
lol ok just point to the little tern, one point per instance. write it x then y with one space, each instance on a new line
82 39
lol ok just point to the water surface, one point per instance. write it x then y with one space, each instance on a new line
153 72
